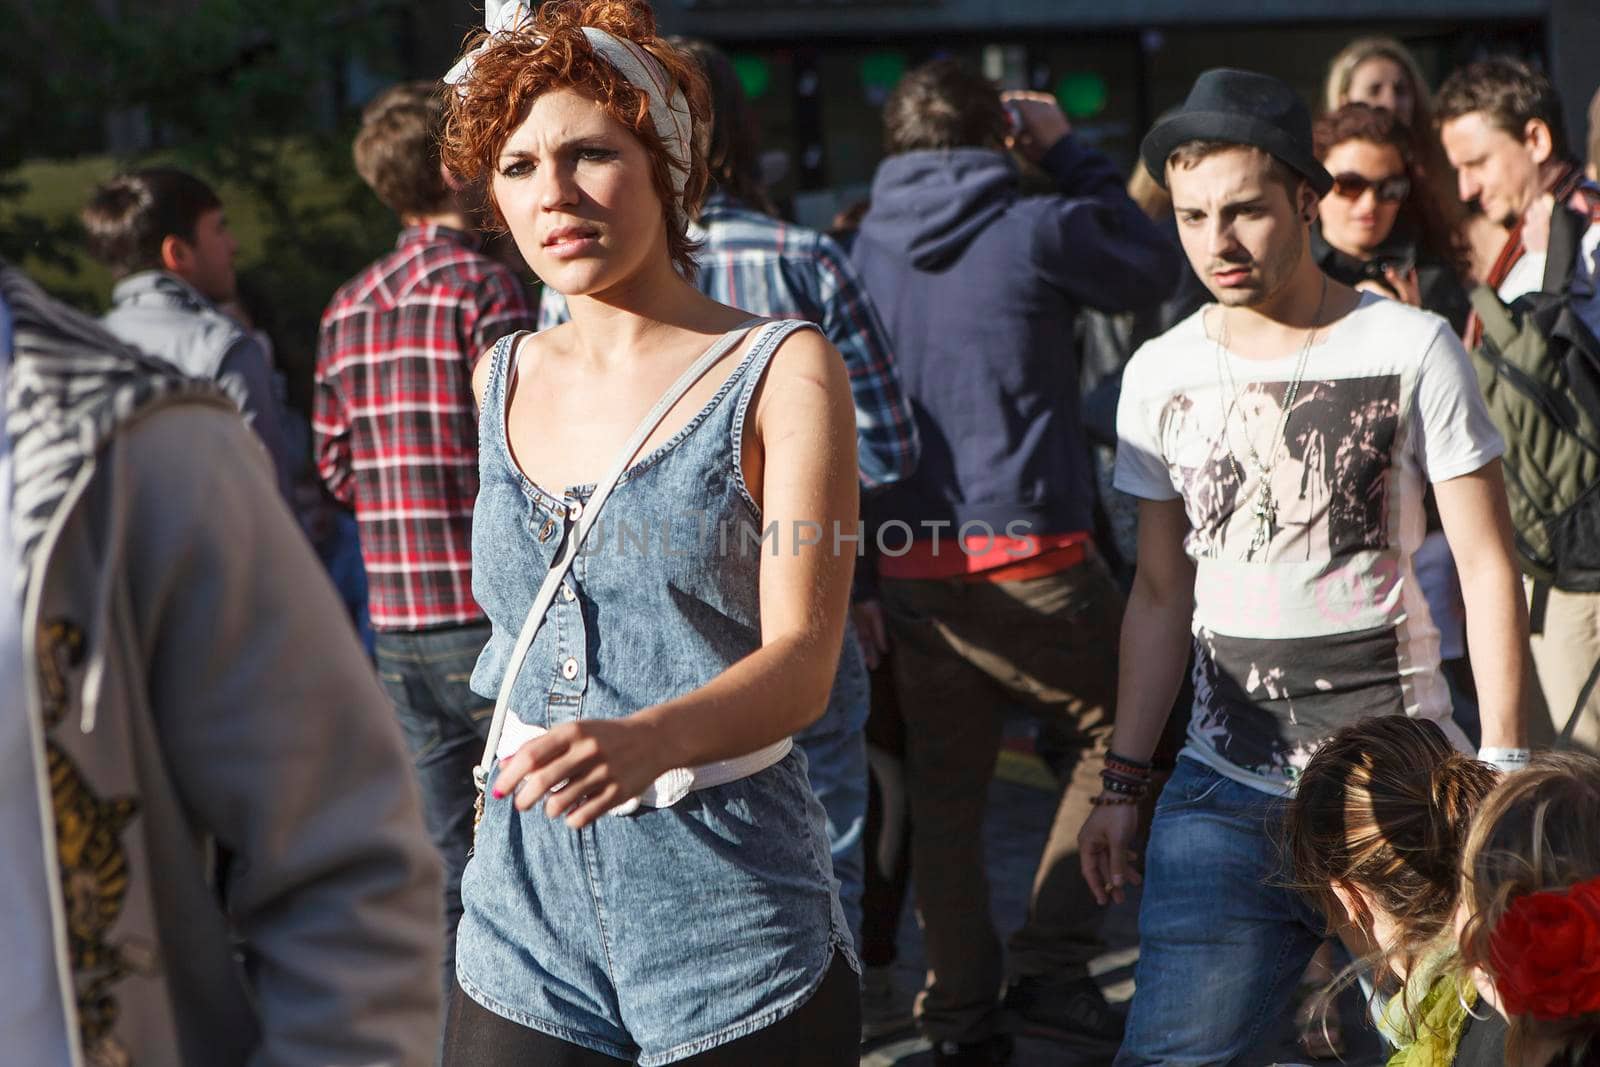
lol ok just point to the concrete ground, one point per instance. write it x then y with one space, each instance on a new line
1021 802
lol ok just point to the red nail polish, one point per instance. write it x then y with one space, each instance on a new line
498 793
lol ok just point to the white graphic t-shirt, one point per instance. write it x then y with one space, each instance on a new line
1324 624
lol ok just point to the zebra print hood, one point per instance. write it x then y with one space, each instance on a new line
71 386
172 615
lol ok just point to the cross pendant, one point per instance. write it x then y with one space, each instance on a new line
1266 513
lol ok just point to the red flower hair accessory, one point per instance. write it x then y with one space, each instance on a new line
1545 953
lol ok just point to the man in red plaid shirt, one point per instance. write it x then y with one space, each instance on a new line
396 433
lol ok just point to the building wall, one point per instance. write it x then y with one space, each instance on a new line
821 57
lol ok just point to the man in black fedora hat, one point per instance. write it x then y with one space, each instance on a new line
1279 442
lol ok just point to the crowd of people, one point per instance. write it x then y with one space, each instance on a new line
699 583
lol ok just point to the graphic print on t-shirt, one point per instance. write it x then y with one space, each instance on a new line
1264 704
1329 469
1324 623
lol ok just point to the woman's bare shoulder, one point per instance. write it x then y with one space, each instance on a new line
529 345
806 377
806 355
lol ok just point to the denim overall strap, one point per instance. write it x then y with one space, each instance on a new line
563 562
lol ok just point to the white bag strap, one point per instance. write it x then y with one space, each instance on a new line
569 552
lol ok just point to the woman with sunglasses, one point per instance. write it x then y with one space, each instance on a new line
1380 227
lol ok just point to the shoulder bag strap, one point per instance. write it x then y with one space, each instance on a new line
569 552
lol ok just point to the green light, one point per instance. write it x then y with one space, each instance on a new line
754 75
1082 94
882 70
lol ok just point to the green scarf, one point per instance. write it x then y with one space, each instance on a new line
1438 996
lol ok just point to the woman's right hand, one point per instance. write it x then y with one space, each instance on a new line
1105 850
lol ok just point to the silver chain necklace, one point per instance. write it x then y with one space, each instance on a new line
1265 507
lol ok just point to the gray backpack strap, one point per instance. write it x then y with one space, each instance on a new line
569 552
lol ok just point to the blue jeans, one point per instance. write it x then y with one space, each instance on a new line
836 765
446 725
1222 944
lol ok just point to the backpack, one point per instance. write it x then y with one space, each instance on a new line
1538 367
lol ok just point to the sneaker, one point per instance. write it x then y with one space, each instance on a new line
883 1010
1063 1009
992 1051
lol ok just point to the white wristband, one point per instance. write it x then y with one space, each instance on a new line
1504 759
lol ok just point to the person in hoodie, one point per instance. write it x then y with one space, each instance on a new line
992 588
164 236
214 852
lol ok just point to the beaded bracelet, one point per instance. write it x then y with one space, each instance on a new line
1104 801
1136 783
1113 776
1131 764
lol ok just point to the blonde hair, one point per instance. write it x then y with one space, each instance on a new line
1145 191
1538 832
1342 71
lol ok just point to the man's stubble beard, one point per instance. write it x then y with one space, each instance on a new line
1275 271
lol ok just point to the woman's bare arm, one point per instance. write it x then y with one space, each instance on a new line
805 423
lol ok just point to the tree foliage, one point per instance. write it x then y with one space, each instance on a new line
253 95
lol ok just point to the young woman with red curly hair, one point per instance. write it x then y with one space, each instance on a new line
651 881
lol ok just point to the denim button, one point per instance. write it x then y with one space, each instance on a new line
567 594
569 669
574 511
547 529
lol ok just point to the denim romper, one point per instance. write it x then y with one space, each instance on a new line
664 933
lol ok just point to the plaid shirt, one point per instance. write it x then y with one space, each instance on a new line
395 423
767 267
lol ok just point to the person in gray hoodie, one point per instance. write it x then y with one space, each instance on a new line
163 235
214 853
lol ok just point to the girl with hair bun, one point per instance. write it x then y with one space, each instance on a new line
1529 918
1374 835
651 880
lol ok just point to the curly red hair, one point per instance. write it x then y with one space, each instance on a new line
515 68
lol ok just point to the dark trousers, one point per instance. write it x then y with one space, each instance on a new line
964 651
446 725
886 842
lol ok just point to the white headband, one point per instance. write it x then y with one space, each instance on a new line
669 112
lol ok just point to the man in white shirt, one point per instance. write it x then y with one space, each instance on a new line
1278 442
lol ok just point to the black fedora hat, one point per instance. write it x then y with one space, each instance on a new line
1240 107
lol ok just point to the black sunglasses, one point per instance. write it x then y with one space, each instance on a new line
1351 185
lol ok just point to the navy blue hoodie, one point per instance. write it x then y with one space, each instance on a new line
978 286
